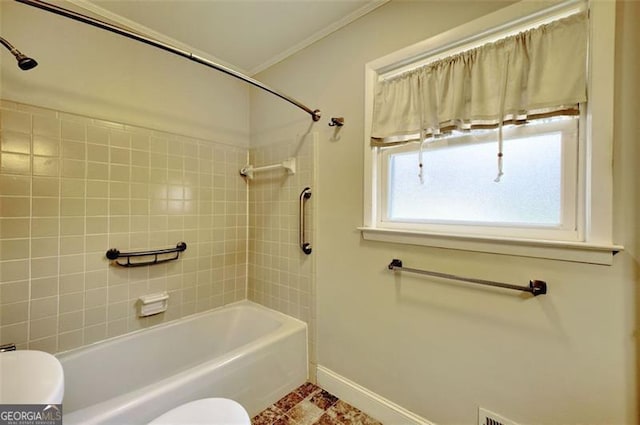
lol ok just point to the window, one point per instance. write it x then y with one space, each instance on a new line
515 172
536 197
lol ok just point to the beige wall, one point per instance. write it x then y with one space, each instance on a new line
72 187
627 193
2 56
441 349
92 72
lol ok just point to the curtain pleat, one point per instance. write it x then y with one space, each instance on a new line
546 69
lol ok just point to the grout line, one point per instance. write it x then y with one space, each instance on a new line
84 227
60 164
29 278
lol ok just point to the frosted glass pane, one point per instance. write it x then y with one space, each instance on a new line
459 183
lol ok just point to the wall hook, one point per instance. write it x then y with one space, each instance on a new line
336 122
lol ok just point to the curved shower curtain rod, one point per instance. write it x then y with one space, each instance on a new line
315 114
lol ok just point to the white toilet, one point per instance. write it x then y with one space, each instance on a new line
17 387
207 411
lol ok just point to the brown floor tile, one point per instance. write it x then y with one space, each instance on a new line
285 420
311 405
305 413
307 389
288 401
267 417
324 400
327 419
348 415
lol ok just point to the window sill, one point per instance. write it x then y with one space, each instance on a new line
580 252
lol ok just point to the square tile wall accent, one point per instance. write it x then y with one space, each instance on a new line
72 187
280 275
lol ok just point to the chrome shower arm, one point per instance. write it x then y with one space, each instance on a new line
315 114
8 45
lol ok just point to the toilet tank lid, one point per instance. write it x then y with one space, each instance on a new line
30 377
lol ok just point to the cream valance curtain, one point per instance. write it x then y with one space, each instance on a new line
534 74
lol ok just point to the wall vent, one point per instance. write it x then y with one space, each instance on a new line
486 417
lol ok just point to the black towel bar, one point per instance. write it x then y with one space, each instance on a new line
536 287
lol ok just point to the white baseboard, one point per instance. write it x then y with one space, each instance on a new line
369 402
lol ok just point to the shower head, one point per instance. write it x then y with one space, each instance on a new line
24 62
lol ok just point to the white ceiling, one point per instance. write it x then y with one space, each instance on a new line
249 35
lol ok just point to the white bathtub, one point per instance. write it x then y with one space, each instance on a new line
242 351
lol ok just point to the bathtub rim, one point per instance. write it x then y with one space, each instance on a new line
282 317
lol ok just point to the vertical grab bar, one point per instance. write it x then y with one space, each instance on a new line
304 195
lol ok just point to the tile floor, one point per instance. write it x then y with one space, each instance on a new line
311 405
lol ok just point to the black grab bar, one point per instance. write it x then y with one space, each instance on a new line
114 254
304 246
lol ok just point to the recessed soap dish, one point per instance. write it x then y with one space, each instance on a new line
151 304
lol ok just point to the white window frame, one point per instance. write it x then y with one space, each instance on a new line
595 200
